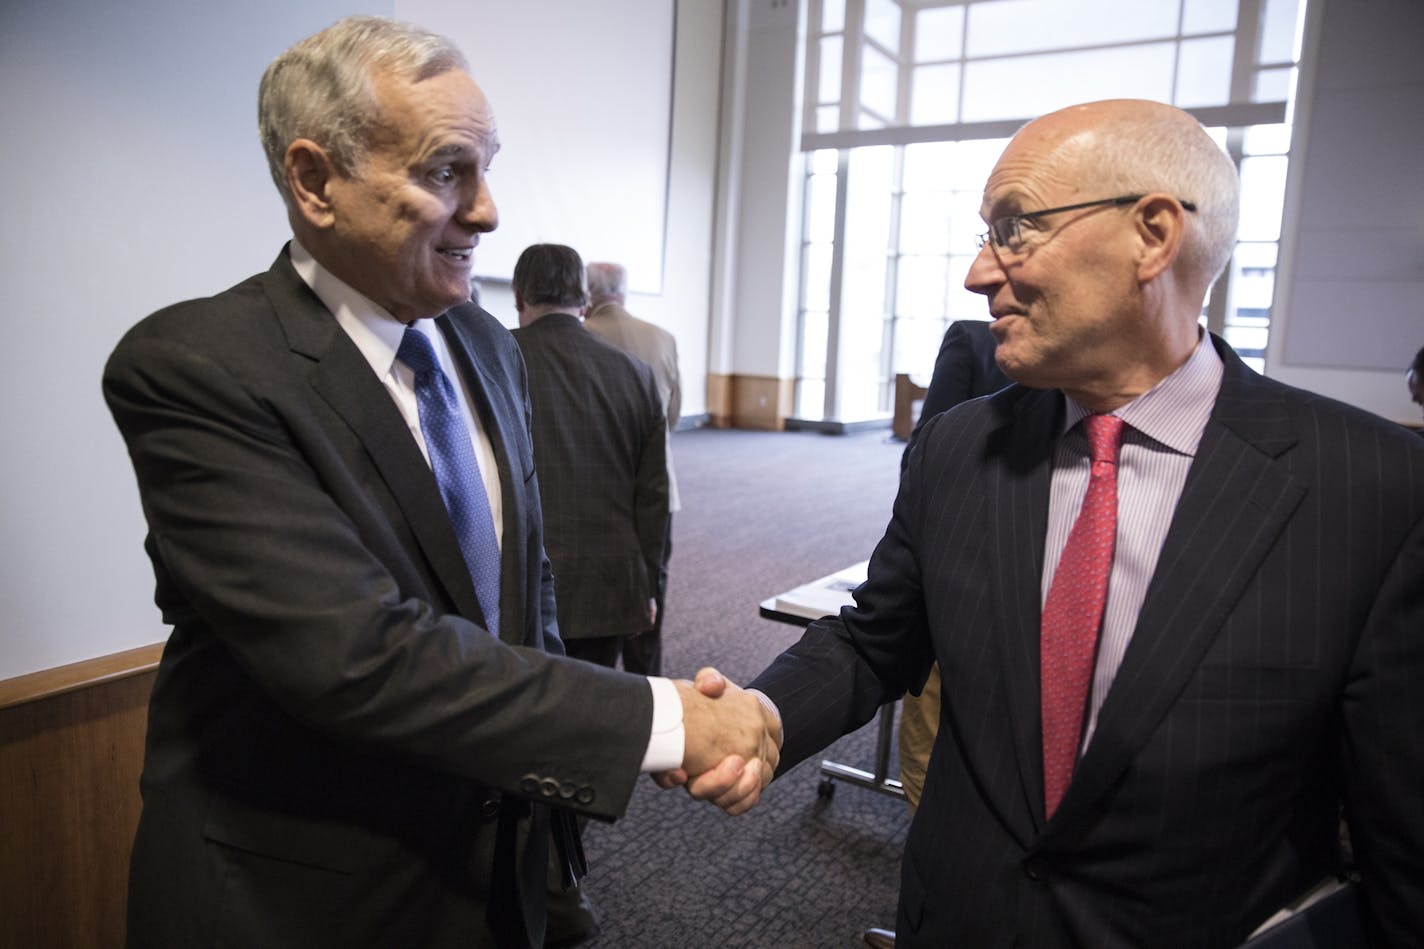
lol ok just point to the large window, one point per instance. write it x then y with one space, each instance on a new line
910 102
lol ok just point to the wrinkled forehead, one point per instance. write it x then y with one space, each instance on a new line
444 103
1043 161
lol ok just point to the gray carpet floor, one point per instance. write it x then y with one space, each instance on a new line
762 513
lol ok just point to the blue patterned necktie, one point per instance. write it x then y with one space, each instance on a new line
457 470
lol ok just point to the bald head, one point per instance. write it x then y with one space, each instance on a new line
1108 222
1137 146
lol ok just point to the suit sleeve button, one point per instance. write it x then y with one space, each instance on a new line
529 784
584 795
548 787
566 790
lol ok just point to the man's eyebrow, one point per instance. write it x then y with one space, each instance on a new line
448 151
461 151
1008 204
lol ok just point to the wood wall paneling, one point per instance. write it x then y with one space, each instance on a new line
761 402
71 749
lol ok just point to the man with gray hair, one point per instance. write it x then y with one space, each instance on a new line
608 318
1177 607
364 730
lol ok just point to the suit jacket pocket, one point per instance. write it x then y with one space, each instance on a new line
298 839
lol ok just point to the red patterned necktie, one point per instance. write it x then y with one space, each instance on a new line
1073 612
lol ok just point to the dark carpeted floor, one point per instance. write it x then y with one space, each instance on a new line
762 513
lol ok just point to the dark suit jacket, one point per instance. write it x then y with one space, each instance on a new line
600 444
1276 669
964 369
331 728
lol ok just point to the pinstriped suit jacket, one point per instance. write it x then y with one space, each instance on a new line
1277 669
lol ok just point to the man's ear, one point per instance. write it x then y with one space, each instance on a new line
310 171
1161 229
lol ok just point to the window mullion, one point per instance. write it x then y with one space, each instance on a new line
830 407
1248 44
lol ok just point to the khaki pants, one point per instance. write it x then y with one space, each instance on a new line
919 722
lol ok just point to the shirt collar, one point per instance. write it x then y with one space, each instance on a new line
1174 411
375 332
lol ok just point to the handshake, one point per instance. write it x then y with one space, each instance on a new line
733 743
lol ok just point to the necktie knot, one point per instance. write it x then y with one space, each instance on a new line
1104 437
416 352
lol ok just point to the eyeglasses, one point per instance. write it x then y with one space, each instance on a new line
1004 232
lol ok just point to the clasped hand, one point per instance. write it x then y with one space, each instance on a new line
732 743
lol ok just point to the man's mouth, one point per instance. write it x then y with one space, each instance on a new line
457 253
996 326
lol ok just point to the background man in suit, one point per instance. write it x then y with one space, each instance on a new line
600 446
363 711
1177 778
964 369
609 319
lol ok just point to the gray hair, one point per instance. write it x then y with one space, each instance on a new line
321 88
1166 152
607 280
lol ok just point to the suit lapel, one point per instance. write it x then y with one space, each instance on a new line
1024 451
502 417
343 379
1237 499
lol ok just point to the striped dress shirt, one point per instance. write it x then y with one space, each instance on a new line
1164 426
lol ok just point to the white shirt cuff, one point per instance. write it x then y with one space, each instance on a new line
665 744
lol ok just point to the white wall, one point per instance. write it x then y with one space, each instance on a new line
754 309
131 177
682 306
1349 311
589 147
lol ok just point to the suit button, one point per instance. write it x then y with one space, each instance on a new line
584 796
529 784
1036 868
548 787
566 790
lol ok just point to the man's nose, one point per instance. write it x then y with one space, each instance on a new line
985 272
479 209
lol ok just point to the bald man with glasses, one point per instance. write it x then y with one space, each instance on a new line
1178 607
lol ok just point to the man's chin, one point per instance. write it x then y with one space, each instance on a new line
451 297
1017 367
